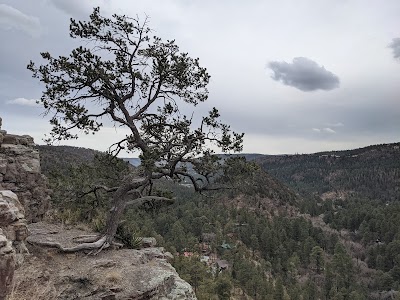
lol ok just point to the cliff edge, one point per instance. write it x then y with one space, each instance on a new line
111 274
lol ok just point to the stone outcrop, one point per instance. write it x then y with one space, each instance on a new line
111 274
12 221
7 266
13 233
20 173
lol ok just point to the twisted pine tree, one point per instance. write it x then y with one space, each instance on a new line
124 76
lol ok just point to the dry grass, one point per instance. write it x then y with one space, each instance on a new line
32 290
113 277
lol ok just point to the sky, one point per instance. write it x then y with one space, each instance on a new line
294 76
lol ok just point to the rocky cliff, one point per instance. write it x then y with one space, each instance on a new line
111 274
46 273
20 173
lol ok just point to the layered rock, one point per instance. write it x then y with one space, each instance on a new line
20 173
13 233
12 220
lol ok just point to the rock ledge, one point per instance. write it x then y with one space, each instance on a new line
112 274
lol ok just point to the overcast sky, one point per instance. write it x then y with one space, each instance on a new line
295 76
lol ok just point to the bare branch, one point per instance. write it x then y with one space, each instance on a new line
148 199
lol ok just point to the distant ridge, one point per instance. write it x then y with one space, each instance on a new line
371 172
135 161
62 157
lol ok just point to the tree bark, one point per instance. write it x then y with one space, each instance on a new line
118 205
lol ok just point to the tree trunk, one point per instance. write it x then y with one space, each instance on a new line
114 216
118 205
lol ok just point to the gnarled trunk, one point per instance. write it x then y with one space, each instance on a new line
118 205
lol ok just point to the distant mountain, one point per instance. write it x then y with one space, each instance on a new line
372 172
62 157
135 161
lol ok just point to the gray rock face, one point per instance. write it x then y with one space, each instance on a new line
12 221
7 266
20 173
13 233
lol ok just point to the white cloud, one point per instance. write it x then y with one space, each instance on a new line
12 18
329 130
339 124
23 102
316 129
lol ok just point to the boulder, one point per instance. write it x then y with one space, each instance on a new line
13 233
11 209
148 242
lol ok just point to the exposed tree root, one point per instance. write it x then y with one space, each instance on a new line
95 247
90 238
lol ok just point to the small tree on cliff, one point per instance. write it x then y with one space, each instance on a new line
125 76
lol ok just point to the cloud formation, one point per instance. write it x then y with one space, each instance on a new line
23 102
304 74
78 8
12 18
395 45
326 129
338 124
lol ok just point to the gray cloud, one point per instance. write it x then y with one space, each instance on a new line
274 120
304 74
395 45
12 18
